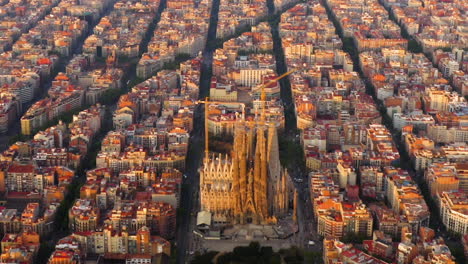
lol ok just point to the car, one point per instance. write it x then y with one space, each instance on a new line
311 243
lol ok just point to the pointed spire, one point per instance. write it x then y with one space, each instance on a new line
295 206
206 129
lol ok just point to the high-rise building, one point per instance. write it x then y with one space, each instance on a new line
454 211
357 219
462 174
436 100
20 177
84 215
441 177
329 215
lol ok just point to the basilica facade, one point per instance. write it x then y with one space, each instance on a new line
249 185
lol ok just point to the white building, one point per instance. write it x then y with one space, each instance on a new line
418 121
454 211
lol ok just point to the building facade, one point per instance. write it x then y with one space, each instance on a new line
249 186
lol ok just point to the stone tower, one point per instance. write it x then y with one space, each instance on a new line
249 186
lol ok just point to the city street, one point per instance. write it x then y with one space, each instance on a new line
280 126
304 209
189 199
188 202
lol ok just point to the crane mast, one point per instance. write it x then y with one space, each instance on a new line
262 100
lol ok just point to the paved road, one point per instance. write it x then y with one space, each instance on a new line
304 206
15 127
435 221
188 203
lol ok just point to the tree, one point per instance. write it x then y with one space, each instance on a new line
413 46
204 258
18 137
135 81
313 257
45 250
109 96
354 238
292 255
254 253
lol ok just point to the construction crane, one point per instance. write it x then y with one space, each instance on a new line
263 94
262 99
206 102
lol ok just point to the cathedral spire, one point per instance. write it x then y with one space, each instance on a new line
251 177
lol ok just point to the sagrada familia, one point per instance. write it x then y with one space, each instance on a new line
249 185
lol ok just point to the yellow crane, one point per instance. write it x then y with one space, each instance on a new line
206 102
262 99
263 94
